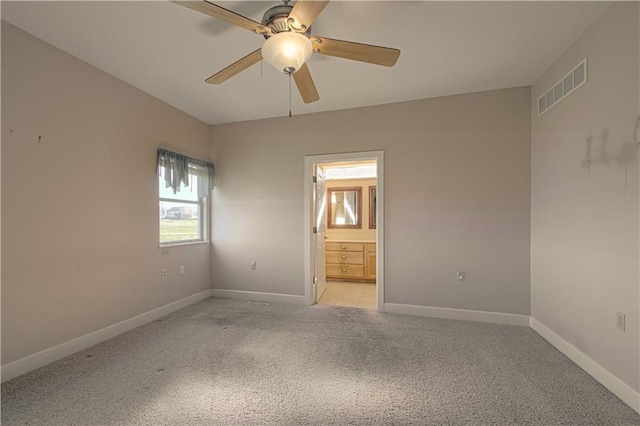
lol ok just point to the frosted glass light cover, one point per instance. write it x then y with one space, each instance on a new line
288 49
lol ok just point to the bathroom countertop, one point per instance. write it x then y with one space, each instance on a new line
350 241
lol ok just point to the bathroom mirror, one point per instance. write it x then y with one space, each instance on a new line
344 208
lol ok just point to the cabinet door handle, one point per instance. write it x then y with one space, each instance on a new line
344 247
344 257
344 270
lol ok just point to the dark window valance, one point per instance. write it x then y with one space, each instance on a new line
176 169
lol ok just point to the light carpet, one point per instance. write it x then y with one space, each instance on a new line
226 362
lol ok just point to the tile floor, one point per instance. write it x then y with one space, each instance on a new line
355 295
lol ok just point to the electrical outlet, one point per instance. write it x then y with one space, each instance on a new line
165 274
165 252
181 269
460 275
253 266
621 321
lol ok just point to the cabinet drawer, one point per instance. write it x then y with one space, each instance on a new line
350 257
345 271
345 247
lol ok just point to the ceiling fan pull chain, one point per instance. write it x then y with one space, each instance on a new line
290 94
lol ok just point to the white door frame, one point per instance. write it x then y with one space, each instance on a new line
309 160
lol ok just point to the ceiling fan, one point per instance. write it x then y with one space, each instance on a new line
289 43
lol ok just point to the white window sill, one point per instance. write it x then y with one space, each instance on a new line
190 243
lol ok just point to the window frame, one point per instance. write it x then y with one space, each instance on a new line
203 216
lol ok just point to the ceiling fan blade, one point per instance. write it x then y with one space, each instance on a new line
305 85
236 67
356 51
304 12
226 15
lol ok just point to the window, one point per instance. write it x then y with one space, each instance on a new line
184 185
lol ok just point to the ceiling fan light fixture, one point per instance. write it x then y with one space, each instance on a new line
287 50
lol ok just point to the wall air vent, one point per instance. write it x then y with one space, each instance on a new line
570 82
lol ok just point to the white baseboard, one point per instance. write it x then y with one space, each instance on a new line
258 297
608 380
457 314
47 356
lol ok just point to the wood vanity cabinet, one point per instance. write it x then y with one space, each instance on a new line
351 261
370 261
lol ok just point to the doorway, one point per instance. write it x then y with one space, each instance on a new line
344 228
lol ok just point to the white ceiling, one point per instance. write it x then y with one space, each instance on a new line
447 48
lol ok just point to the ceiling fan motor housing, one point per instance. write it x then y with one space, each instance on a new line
276 19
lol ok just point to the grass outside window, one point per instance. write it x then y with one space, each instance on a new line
174 230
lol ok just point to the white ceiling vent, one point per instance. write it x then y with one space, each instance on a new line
570 82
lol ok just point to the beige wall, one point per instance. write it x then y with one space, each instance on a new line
457 190
364 233
584 263
79 198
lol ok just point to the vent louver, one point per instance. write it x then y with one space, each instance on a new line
567 84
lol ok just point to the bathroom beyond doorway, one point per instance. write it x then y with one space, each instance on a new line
348 256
